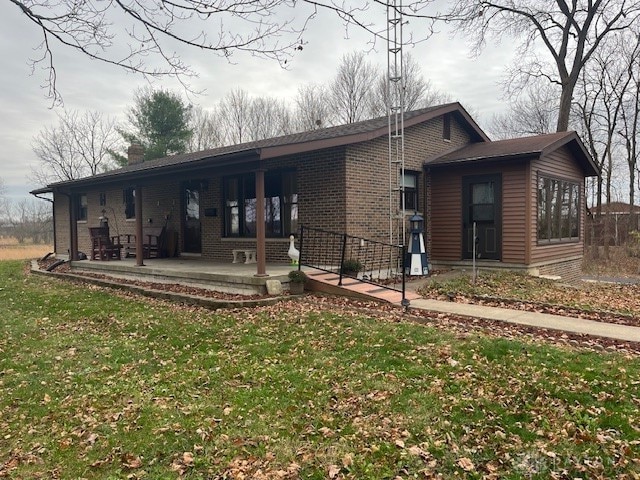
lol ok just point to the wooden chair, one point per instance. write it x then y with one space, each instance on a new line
153 242
104 247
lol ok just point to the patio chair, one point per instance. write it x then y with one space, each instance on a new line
153 242
104 247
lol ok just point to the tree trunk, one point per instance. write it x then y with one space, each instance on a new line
564 108
632 224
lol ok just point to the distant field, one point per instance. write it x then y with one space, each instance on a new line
10 249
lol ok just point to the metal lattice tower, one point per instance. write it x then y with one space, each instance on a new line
395 112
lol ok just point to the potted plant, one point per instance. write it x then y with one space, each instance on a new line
296 281
351 267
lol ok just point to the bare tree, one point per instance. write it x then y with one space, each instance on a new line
630 121
4 203
32 219
418 91
602 91
268 117
569 32
532 113
206 128
78 146
312 109
351 89
235 112
143 36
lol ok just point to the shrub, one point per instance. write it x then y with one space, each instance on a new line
351 265
297 276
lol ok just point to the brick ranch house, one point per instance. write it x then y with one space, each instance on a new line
526 195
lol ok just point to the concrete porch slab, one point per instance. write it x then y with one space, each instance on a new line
217 276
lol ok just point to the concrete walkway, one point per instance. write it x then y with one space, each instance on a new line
533 319
540 320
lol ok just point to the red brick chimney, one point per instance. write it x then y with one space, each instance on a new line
135 154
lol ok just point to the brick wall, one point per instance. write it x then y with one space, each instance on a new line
569 270
339 189
367 173
61 218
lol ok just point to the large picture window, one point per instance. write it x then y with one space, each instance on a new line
281 204
558 210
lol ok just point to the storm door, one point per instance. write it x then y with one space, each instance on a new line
482 204
191 226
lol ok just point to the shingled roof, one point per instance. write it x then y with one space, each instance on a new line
534 146
278 146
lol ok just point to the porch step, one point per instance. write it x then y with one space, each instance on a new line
352 286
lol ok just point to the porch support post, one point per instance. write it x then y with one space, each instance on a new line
260 233
73 228
139 239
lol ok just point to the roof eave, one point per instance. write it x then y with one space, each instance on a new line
117 176
295 148
483 158
573 142
40 191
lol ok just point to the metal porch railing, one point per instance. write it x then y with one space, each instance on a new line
369 261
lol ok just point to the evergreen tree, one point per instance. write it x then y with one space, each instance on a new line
160 123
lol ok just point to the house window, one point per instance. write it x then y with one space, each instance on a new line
558 210
410 186
130 202
446 127
81 207
281 204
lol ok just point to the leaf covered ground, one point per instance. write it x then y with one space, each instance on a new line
587 299
96 384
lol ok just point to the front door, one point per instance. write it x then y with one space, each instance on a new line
191 227
482 205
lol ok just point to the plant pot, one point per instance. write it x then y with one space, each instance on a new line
296 288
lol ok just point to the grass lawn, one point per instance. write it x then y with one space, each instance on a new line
95 384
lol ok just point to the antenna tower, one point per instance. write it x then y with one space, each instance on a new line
395 113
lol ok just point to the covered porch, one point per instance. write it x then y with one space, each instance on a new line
235 278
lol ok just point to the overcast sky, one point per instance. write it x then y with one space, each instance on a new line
90 85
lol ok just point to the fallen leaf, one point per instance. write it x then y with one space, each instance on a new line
334 470
466 464
187 458
131 461
417 451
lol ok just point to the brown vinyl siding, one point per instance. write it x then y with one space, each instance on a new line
558 164
445 215
514 189
446 210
